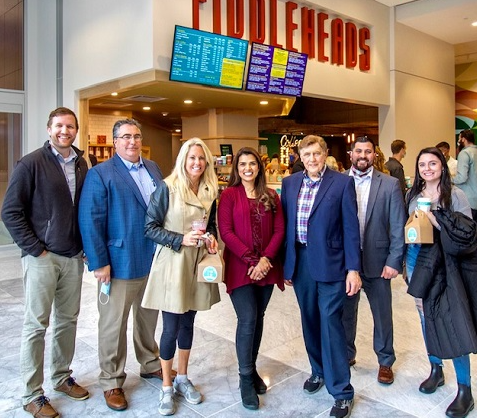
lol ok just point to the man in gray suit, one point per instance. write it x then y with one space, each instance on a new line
382 217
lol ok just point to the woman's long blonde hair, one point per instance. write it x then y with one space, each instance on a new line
179 174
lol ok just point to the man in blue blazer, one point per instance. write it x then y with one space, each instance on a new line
322 261
382 217
112 212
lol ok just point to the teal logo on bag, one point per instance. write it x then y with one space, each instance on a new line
210 274
412 234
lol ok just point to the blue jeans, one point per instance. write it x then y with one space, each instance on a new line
250 303
461 364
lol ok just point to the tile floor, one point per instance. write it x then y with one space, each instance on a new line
213 369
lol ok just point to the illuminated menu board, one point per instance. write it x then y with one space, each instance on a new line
275 70
207 58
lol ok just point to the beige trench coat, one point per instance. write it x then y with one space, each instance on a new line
172 284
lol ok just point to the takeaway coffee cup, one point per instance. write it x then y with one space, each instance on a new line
199 225
424 204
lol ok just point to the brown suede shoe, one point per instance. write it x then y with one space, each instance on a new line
385 375
115 399
74 391
41 408
157 374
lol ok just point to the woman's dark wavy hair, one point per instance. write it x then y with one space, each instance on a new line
263 193
444 186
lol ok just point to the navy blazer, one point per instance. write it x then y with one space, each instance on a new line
333 228
112 213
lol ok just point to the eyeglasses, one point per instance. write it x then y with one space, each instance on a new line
128 137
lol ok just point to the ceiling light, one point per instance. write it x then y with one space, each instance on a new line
177 130
146 108
188 101
165 114
474 23
114 93
263 102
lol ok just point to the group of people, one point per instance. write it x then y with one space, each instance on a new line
329 235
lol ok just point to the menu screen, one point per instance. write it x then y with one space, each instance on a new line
275 70
207 58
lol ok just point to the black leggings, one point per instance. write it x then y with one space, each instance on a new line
176 328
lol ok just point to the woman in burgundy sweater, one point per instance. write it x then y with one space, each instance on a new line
252 227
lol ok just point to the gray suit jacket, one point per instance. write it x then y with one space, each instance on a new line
383 241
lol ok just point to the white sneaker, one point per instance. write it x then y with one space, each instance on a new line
188 391
167 405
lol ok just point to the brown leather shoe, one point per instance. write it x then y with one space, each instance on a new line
74 391
158 374
115 399
41 408
385 375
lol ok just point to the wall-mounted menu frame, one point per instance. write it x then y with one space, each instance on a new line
207 58
276 70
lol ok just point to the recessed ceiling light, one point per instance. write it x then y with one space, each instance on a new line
114 93
474 23
188 101
263 102
178 130
146 108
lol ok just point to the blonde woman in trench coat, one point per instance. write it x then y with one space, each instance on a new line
187 195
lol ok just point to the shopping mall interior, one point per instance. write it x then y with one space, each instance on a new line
169 112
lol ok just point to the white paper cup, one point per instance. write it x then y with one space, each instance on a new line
424 204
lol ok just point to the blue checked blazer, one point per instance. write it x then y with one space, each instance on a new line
112 213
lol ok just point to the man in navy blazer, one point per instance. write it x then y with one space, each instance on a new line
322 261
382 217
112 212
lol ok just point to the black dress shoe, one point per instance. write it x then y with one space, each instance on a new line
462 404
435 379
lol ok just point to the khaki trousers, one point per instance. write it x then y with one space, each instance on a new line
112 327
51 283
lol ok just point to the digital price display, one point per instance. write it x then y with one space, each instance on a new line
207 58
276 70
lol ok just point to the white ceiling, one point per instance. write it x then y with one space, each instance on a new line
448 20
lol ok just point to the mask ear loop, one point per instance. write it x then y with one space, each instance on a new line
105 300
104 290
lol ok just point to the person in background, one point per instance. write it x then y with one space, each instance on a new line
432 180
331 163
322 262
252 228
466 177
398 149
112 210
444 147
275 166
40 213
379 161
298 166
381 217
187 195
265 160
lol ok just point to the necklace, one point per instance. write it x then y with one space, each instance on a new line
433 195
250 193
